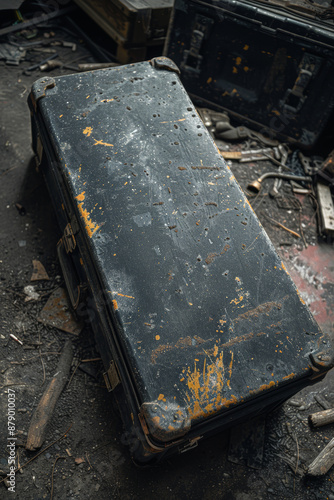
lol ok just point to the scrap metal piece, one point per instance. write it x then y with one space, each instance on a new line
57 313
12 55
39 272
256 185
326 205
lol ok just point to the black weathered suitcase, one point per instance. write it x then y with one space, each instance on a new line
198 323
270 64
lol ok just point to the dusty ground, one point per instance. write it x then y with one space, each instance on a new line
85 407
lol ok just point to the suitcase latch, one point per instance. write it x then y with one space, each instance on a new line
192 58
111 377
69 239
296 96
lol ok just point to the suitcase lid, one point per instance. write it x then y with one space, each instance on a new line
207 316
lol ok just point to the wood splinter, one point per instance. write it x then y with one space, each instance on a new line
323 462
44 410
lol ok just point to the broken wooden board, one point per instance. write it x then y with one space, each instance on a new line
326 208
57 313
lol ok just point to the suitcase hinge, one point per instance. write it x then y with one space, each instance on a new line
69 239
111 377
192 443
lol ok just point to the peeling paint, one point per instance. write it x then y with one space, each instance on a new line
91 227
206 386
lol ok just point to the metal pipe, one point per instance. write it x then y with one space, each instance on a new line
255 186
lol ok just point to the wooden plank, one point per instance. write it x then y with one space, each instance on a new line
326 208
44 410
323 462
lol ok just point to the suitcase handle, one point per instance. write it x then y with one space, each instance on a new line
72 281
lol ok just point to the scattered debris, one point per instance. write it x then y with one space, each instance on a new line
11 54
20 208
282 226
15 338
79 460
31 293
57 313
39 272
44 410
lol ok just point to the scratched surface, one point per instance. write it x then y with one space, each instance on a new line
209 316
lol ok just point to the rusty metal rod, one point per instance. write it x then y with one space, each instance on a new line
255 186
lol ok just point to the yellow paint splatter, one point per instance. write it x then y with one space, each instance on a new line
81 196
234 70
121 294
87 131
60 116
246 47
246 68
238 61
157 337
91 227
101 143
237 301
206 386
161 397
209 80
115 305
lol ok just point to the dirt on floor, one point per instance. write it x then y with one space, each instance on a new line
85 453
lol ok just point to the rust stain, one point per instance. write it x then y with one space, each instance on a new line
87 131
209 80
234 70
161 397
238 61
91 227
287 377
210 258
182 343
246 47
263 387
